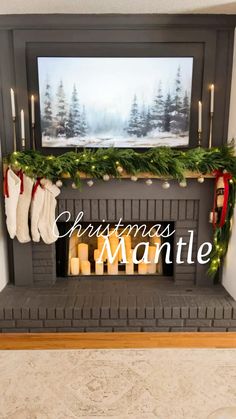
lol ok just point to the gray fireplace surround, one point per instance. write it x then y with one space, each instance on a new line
38 301
187 207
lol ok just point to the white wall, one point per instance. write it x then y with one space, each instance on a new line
3 246
117 6
229 274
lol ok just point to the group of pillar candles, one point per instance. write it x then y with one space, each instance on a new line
82 265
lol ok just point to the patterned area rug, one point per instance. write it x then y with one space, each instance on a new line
118 384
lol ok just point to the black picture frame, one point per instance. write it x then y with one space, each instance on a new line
98 49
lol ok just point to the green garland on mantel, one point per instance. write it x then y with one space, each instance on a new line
165 162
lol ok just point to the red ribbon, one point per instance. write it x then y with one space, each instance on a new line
20 175
5 184
35 187
226 177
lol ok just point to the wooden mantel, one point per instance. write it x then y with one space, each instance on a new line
146 175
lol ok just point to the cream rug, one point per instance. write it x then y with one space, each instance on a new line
118 384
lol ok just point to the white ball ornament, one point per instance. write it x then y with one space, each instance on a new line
149 182
119 169
183 184
134 178
59 183
165 184
90 183
200 179
74 185
106 178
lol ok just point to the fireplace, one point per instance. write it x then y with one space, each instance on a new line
185 209
78 255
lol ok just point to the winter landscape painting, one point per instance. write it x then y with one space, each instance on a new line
115 102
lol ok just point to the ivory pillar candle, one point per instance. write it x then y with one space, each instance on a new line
100 244
129 267
151 268
112 268
156 240
114 242
151 253
127 240
74 266
85 267
142 268
96 254
83 251
99 268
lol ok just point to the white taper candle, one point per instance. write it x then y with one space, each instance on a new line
212 98
13 106
199 116
22 122
32 110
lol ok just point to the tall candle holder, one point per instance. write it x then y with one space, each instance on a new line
14 133
210 131
199 138
33 135
23 144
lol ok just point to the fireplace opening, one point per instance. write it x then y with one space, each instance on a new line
83 254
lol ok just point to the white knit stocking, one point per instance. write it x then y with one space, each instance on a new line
36 209
11 200
22 213
46 227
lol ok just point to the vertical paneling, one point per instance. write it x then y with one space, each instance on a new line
127 209
70 208
78 206
190 209
166 209
158 210
135 209
174 210
196 209
87 209
94 210
130 209
119 209
151 209
182 209
62 208
102 206
143 209
111 209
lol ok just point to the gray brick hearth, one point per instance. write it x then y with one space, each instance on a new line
117 305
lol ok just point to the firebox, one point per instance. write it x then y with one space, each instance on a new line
93 251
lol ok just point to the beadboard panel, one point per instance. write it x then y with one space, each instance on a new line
148 210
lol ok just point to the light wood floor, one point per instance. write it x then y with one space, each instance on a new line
116 340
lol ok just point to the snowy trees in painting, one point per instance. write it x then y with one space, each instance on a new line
63 124
116 107
169 114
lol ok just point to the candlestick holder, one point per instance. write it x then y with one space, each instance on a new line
210 131
33 135
14 133
199 138
23 144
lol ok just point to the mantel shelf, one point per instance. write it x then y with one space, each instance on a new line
146 175
143 175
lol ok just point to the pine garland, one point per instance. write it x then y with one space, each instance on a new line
161 161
